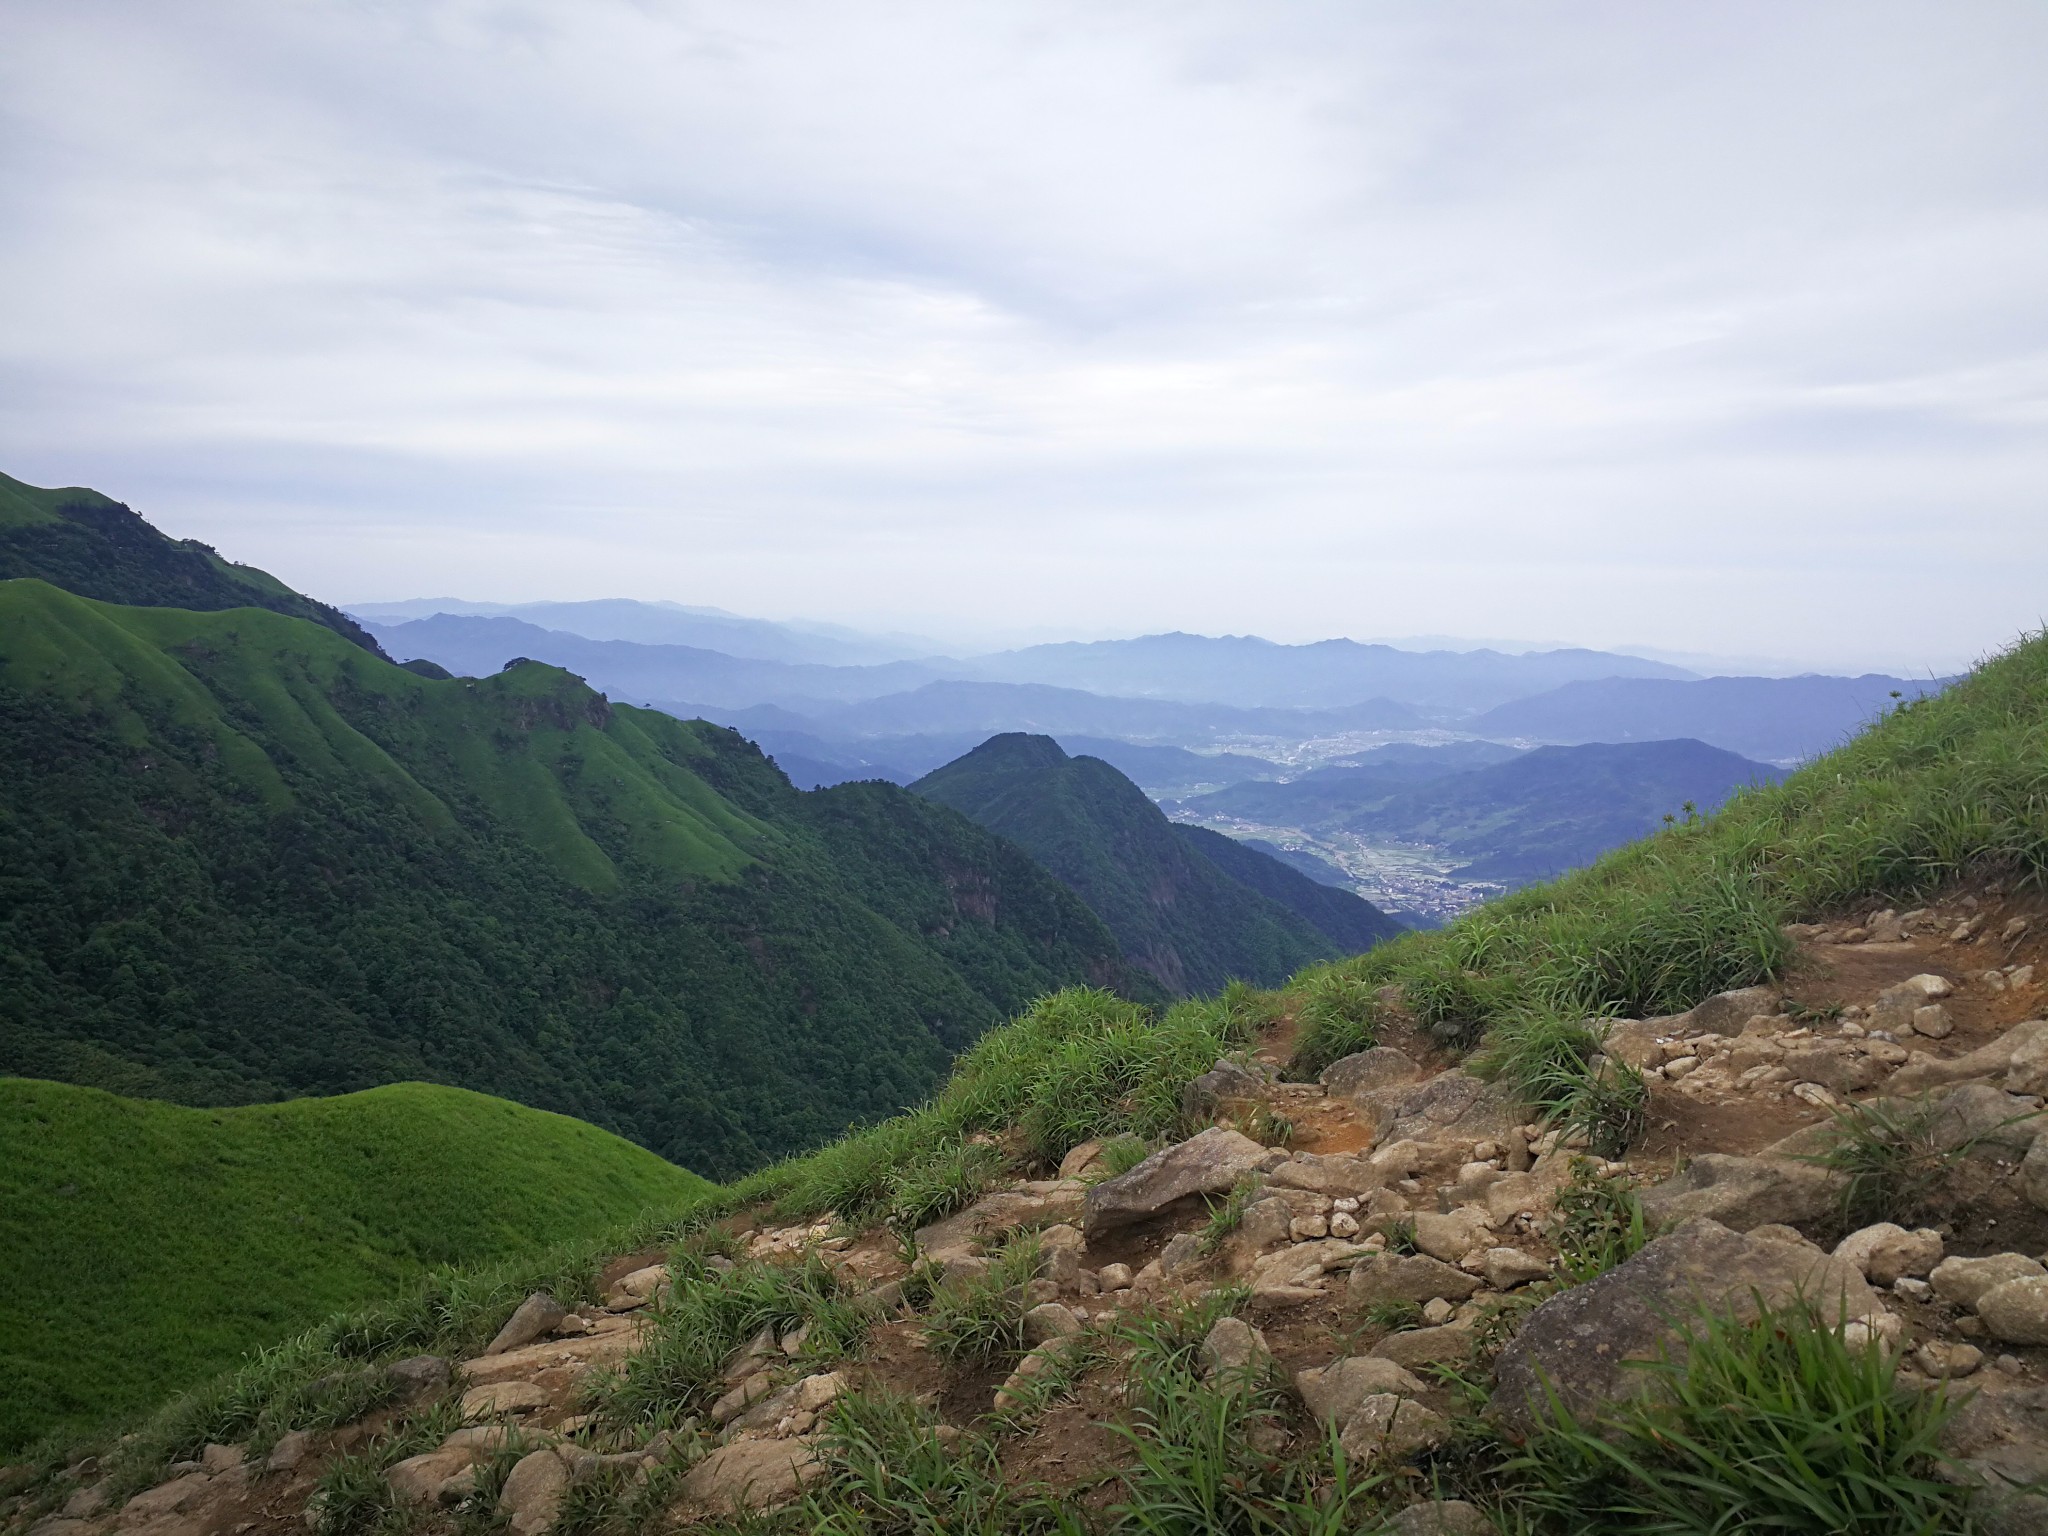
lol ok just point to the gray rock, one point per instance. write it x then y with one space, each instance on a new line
1381 1067
1838 1068
2033 1178
1725 1013
1223 1083
1335 1391
1050 1321
1886 1253
1034 1203
536 1315
533 1492
1745 1192
1453 1235
417 1375
1507 1268
752 1474
1993 1060
2000 1436
1339 1174
1985 1122
1387 1428
1265 1223
1932 1020
1453 1104
1962 1282
1207 1164
1181 1254
2016 1311
1639 1043
1577 1342
1441 1517
1411 1277
742 1397
1235 1345
1414 1348
418 1480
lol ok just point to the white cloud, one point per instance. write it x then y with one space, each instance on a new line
1712 328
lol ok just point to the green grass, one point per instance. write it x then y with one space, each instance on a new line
1772 1425
150 1246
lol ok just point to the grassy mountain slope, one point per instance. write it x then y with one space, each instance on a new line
1175 912
93 545
242 858
201 1235
1331 796
1343 917
1774 719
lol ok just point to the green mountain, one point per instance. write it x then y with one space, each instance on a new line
203 1234
1343 917
242 858
1175 910
95 546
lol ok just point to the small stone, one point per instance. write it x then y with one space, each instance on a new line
1962 1282
1050 1321
793 1341
1441 1517
533 1492
536 1315
1932 1021
1234 1345
1114 1277
1814 1094
1944 1360
1437 1312
742 1397
814 1392
1389 1428
1506 1268
1881 1329
1343 1224
1886 1252
1183 1253
1308 1228
2009 1364
1912 1290
1682 1066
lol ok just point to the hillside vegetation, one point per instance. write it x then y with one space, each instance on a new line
1189 920
201 1235
93 545
242 858
1944 789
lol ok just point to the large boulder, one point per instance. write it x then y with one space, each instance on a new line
1412 1277
1207 1164
533 1492
1745 1192
1453 1105
1577 1344
1984 1121
751 1474
1381 1067
1725 1013
1337 1174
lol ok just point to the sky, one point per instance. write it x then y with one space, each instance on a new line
1716 329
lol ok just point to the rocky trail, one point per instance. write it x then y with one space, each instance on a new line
1398 1216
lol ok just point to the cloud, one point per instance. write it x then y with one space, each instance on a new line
1712 328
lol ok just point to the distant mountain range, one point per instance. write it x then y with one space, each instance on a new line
1776 719
1189 907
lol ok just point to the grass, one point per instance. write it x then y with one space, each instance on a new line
1227 1215
1766 1425
210 1233
983 1318
1596 1224
1890 1156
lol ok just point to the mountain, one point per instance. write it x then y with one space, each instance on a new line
477 647
1332 796
1317 868
1557 808
243 858
1245 670
1169 768
97 547
1176 913
209 1233
1781 720
711 629
811 760
1343 917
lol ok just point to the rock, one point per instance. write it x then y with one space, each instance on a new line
533 1491
1234 1345
1207 1164
814 1392
1993 1060
1639 1043
1414 1348
502 1397
1744 1192
2016 1311
1932 1021
1885 1253
1985 1122
1881 1329
1037 1362
1228 1080
1507 1268
742 1397
1577 1342
167 1498
538 1314
1265 1223
1725 1013
1410 1277
1438 1312
1034 1203
1387 1428
1051 1321
1380 1067
1680 1067
1336 1176
1343 1224
1307 1228
417 1375
1293 1274
1080 1160
1944 1361
1837 1068
638 1288
1114 1277
418 1479
751 1474
1450 1237
1441 1517
2026 1069
1181 1254
83 1504
1335 1391
1778 1232
1453 1104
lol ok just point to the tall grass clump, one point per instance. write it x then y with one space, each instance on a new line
1773 1425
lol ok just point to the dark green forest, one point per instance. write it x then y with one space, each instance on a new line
242 858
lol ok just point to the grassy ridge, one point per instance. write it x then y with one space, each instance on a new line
148 1246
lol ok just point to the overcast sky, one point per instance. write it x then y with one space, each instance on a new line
1711 327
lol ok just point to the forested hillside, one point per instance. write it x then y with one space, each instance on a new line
243 858
1177 914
